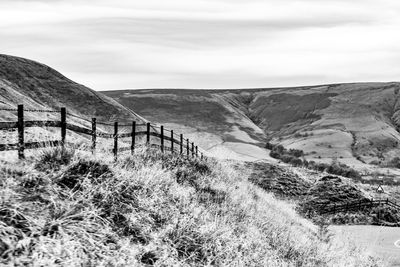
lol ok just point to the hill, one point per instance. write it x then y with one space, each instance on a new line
356 124
38 86
64 207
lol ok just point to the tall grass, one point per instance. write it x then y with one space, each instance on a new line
152 209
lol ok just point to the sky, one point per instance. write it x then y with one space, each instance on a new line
129 44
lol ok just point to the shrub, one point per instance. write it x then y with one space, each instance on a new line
292 156
394 163
54 158
84 169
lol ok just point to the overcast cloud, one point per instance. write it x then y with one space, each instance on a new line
206 43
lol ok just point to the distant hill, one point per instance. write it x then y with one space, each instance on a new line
38 86
353 123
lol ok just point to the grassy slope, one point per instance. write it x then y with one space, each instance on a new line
37 86
354 123
65 209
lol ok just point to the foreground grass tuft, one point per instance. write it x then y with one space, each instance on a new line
153 209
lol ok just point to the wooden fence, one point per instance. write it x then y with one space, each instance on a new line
21 145
358 205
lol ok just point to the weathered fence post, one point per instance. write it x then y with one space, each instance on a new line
148 134
162 139
181 144
133 143
94 136
201 156
115 141
63 126
197 151
172 141
21 132
192 149
187 147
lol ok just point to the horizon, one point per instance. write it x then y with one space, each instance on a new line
252 88
213 45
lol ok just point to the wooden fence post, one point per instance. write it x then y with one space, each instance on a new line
63 126
181 144
115 141
187 147
201 156
192 149
172 141
133 143
148 134
162 139
197 151
94 136
21 132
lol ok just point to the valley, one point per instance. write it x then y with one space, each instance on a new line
355 124
352 124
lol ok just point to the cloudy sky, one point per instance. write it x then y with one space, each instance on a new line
120 44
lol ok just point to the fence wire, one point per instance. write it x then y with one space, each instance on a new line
123 124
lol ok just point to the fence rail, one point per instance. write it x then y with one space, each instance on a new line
358 205
21 124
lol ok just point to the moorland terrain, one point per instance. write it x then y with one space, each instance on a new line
356 124
257 211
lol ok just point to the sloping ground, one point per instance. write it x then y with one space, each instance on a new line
37 86
353 123
219 124
311 193
61 208
331 190
279 180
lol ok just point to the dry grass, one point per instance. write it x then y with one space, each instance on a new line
71 209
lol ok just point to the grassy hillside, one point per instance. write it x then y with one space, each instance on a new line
353 123
72 209
38 86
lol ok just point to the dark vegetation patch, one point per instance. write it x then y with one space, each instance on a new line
73 177
53 159
149 258
394 163
377 215
295 157
193 246
330 190
278 180
275 111
208 194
